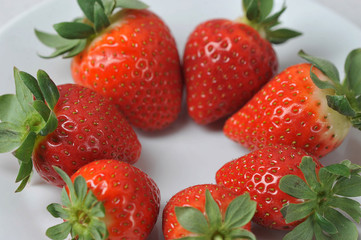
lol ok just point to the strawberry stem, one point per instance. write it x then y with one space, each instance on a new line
82 212
73 36
346 99
239 212
257 15
23 119
333 185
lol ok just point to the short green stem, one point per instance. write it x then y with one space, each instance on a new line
218 237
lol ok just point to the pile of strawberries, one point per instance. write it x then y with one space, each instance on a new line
127 73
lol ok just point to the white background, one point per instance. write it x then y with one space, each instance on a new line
349 9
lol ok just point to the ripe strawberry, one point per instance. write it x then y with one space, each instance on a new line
74 127
226 62
259 173
284 180
131 58
304 106
106 199
208 211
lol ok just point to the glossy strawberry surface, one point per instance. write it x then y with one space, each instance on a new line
259 173
135 63
89 128
130 197
290 110
225 63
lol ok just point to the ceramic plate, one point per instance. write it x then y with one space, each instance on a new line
185 154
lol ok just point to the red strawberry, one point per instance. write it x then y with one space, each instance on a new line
259 173
109 200
76 126
131 59
208 211
226 62
304 106
283 176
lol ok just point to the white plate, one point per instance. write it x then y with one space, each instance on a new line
185 154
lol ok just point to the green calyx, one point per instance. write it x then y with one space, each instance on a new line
257 15
212 226
74 36
347 97
25 116
81 210
325 201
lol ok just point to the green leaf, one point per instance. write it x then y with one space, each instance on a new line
80 187
32 84
325 66
134 4
349 206
25 151
347 230
303 231
26 168
325 224
48 88
67 181
341 104
99 228
98 210
308 168
109 6
319 234
281 35
65 198
52 40
240 211
101 20
42 109
353 71
240 233
10 137
74 30
296 187
10 110
327 179
265 8
192 219
57 211
299 211
80 46
251 9
272 20
339 170
194 238
348 187
63 49
90 200
87 6
50 125
23 184
212 210
23 94
59 232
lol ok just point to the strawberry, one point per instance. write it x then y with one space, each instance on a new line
286 181
259 173
106 199
226 61
130 57
305 106
208 211
66 126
